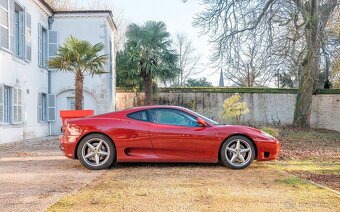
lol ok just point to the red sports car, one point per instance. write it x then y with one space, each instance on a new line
163 134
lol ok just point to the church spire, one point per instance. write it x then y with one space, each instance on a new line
221 84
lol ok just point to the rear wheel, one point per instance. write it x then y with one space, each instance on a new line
237 152
96 152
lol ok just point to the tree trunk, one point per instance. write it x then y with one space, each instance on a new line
310 70
79 83
147 88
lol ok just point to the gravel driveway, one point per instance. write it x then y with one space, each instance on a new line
34 174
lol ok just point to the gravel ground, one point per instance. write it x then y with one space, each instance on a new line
34 174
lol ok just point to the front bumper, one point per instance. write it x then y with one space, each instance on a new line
67 145
267 149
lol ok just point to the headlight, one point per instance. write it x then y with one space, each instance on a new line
266 134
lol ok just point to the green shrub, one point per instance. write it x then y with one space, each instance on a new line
233 108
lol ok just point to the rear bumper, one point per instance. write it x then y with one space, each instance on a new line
268 149
67 145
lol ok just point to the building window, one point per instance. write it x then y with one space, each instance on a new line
10 105
19 31
42 107
71 103
42 47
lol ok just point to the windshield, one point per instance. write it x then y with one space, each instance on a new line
206 118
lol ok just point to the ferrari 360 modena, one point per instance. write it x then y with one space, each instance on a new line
163 134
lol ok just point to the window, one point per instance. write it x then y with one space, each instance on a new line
10 105
71 103
42 107
173 117
42 47
19 31
4 24
140 115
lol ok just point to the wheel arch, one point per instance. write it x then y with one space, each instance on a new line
90 133
237 134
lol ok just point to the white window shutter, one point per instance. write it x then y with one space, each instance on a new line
52 43
51 107
2 103
28 37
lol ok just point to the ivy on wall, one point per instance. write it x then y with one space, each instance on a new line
232 90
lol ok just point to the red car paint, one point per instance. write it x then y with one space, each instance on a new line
140 141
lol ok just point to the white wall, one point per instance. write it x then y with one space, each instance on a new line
100 88
265 108
29 78
99 91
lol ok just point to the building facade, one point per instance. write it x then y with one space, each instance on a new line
31 95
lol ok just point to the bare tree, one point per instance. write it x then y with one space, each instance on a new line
188 59
247 63
118 14
229 21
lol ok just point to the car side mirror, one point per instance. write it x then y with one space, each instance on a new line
201 122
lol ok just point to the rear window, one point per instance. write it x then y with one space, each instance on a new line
140 115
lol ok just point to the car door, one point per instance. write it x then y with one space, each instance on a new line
176 136
133 139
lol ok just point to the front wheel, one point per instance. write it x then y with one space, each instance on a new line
237 152
96 152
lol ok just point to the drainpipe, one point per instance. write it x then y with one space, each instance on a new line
50 21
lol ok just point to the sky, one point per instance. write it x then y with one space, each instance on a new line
178 17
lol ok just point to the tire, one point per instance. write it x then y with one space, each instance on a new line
237 157
93 157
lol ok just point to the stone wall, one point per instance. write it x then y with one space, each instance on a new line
265 108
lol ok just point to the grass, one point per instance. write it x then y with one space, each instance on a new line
315 134
296 182
312 154
326 167
271 131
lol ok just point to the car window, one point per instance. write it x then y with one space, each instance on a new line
172 117
140 115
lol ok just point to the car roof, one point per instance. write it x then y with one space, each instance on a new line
157 106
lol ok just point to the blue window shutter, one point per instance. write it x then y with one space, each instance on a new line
52 43
51 101
40 45
28 37
12 25
2 104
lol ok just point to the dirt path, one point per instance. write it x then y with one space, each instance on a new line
195 187
34 174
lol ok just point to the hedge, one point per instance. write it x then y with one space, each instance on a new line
232 90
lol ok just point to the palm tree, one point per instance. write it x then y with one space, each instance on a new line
147 57
79 57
